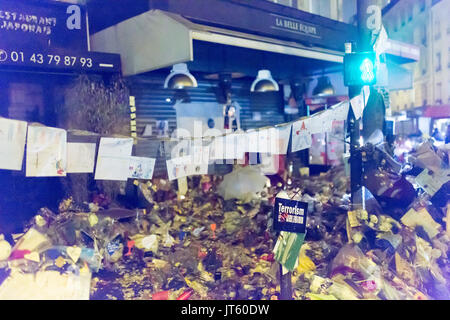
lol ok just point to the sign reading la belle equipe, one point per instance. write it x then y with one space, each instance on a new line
294 26
289 215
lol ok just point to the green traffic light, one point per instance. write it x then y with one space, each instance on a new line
367 74
359 69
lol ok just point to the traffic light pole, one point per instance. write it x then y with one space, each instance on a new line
367 13
355 159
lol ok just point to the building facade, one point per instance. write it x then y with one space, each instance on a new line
423 23
340 10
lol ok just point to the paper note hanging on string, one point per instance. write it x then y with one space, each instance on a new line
178 167
315 124
13 134
321 123
196 169
327 120
46 152
280 139
340 111
357 104
381 44
114 159
199 160
230 146
141 168
301 136
235 146
217 147
259 141
200 154
80 157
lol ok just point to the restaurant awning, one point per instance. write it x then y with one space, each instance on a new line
157 39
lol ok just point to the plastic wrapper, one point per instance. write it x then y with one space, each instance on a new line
425 156
242 183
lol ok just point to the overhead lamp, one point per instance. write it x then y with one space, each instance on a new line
324 87
264 82
180 78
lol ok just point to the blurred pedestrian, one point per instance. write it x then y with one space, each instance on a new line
447 135
436 134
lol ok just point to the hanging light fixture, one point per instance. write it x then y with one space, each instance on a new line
264 82
324 87
180 78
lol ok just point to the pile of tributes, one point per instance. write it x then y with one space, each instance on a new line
197 245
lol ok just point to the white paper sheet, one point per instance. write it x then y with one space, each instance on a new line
80 157
141 168
217 147
280 139
178 167
196 169
200 154
230 146
301 136
357 104
235 146
381 44
322 122
431 181
184 166
327 120
340 111
13 134
46 152
259 141
114 159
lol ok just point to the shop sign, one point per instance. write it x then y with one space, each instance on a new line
59 60
290 25
49 36
38 25
290 215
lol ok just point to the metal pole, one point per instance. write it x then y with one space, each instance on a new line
285 285
364 13
355 159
